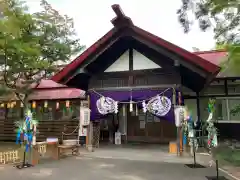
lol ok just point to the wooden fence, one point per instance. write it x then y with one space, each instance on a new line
13 156
7 157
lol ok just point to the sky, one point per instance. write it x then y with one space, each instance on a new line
92 20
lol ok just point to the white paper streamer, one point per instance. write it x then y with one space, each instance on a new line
131 107
144 106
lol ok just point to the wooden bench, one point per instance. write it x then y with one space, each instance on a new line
74 149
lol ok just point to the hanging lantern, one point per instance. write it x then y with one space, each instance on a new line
8 105
45 104
34 104
57 105
67 104
12 105
2 105
21 104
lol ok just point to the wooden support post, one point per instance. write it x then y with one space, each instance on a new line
89 136
180 141
35 155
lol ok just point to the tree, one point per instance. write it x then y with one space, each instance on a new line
221 15
31 45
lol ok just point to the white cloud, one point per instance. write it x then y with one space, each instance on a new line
92 20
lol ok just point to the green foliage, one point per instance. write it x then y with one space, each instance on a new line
233 60
221 15
31 45
227 156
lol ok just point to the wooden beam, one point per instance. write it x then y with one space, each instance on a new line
225 87
118 11
198 107
130 59
160 86
109 44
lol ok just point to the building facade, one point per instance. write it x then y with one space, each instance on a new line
55 106
129 64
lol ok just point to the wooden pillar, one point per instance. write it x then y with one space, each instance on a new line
35 155
89 131
198 108
180 133
200 133
87 137
226 87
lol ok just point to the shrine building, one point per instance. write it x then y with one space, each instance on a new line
130 66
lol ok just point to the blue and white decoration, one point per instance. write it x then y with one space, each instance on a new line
106 105
158 105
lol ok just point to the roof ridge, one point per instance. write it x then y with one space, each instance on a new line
210 51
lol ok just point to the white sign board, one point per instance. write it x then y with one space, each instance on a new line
52 140
117 138
142 124
85 116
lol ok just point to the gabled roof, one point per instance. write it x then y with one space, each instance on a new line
49 90
215 56
47 83
122 20
218 57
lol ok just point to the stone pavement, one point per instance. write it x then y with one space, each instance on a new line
126 163
152 153
86 168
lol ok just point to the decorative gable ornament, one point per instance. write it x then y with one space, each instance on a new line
106 105
159 105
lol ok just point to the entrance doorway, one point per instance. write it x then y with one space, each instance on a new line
147 128
108 126
136 127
